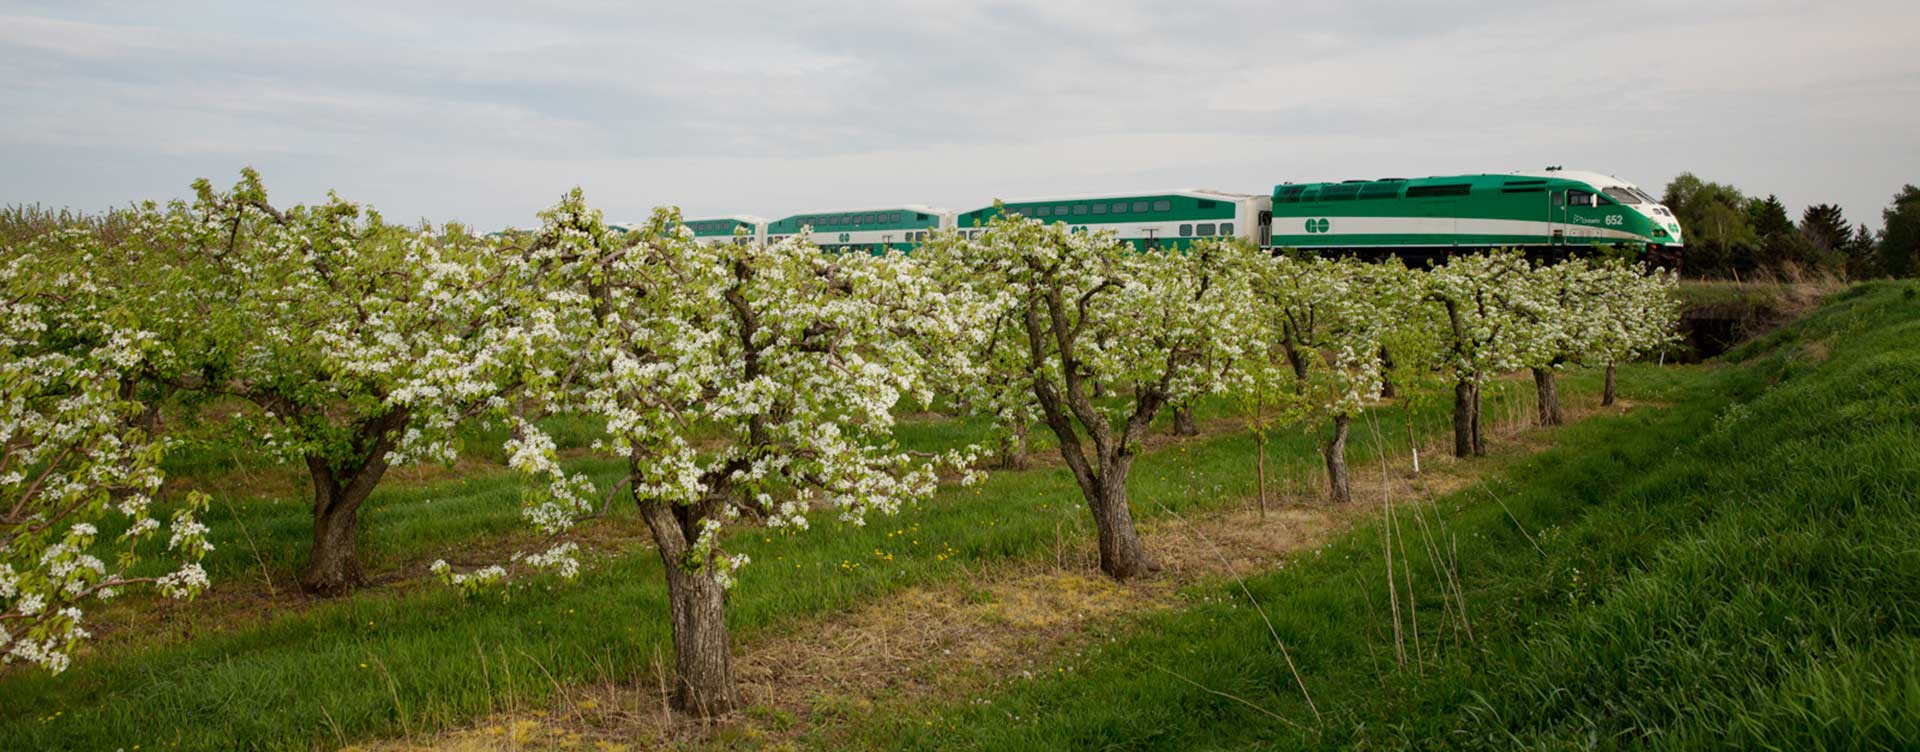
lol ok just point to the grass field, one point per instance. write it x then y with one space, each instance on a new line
1736 565
1741 571
413 656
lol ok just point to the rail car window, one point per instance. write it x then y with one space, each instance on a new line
1450 189
1161 206
1044 211
1577 197
1206 230
1226 228
1186 231
1342 192
1120 207
1060 211
1140 206
1381 190
1100 208
1079 209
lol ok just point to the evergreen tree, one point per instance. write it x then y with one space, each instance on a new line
1825 227
1781 245
1768 216
1863 260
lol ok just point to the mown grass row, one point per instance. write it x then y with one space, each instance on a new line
1739 571
268 535
391 662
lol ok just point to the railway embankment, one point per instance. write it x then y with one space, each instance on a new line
1721 314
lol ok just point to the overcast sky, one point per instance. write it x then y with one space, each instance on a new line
487 111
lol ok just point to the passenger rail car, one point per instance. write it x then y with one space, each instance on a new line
738 228
1170 219
875 231
1552 211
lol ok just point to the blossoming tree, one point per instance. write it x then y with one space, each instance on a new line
360 344
75 455
1482 299
1558 326
1328 320
1639 313
731 378
1057 311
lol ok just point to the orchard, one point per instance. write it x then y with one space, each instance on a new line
737 384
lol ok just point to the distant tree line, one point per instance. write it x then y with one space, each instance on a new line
1730 234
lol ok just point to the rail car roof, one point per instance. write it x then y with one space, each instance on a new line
1187 192
1480 180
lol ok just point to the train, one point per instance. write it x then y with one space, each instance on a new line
1552 211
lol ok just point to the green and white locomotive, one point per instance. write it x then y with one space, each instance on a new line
1552 211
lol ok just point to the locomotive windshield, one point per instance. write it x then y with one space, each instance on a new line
1624 195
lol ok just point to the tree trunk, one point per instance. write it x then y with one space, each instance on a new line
1340 490
1386 374
1464 399
1260 469
1183 422
1121 555
338 491
1013 450
703 663
1607 393
333 569
1479 434
1298 362
1548 397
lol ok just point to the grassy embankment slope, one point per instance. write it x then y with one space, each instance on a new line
1740 570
